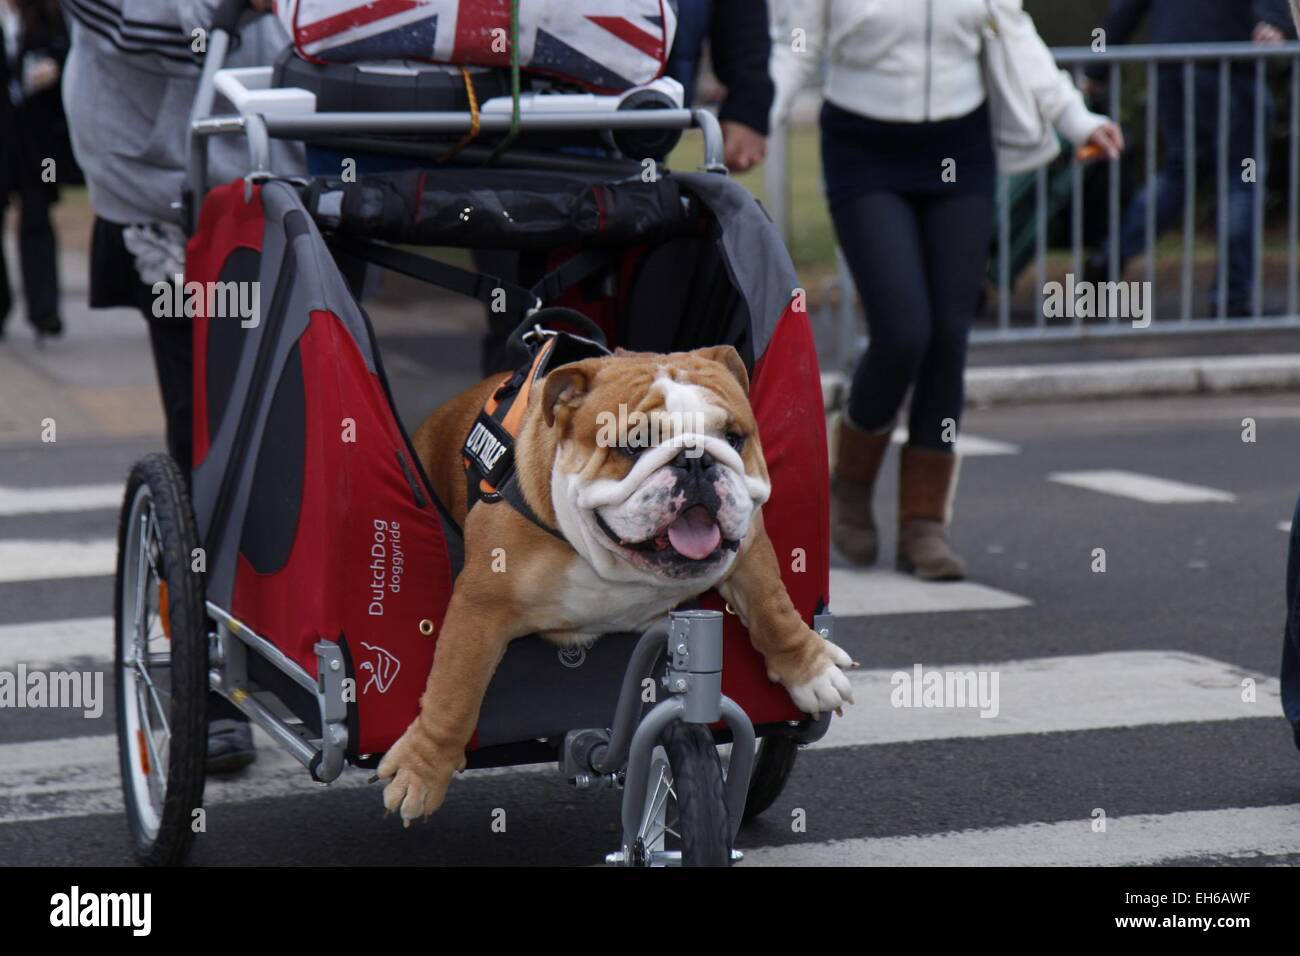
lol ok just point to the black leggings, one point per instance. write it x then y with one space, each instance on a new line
918 263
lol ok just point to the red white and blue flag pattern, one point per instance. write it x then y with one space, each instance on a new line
603 45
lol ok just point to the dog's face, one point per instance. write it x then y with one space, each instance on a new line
658 471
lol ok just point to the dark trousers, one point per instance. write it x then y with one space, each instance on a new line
39 256
918 263
1169 191
693 19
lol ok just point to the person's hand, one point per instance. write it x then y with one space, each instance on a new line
41 75
262 6
1268 34
1108 139
743 147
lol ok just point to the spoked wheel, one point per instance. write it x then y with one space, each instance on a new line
160 663
684 820
772 768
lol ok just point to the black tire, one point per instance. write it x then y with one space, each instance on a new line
703 823
772 768
160 802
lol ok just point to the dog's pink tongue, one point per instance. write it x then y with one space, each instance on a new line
695 534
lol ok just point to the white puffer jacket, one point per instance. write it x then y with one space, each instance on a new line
915 61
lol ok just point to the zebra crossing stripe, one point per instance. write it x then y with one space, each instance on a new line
1126 841
78 776
1146 488
856 593
41 560
1048 695
44 644
22 501
968 446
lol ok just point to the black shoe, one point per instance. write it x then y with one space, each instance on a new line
1295 732
50 327
230 745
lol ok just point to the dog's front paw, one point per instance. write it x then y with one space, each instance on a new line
418 773
818 684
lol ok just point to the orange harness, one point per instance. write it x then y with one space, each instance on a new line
489 449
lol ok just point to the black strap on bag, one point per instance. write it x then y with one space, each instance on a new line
488 289
476 285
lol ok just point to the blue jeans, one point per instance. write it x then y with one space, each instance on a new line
693 17
1291 640
1170 183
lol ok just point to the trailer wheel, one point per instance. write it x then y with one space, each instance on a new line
685 818
772 768
160 663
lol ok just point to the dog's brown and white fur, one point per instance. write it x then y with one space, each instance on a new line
622 511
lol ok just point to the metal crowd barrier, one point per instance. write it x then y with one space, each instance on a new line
1007 318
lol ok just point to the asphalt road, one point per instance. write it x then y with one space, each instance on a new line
1120 691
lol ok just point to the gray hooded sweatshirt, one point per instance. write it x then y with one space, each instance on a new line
128 84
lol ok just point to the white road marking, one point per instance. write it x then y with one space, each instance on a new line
21 501
868 593
1057 694
1284 527
1127 841
78 776
969 446
1129 484
49 643
39 560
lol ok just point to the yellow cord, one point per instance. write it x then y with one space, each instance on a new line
473 119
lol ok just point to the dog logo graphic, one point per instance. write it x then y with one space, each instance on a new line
383 669
575 655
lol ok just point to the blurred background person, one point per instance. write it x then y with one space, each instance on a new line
740 43
910 159
32 132
1198 21
129 85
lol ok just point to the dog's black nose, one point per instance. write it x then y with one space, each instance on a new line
694 461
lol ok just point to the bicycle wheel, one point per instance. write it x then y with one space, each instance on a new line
684 819
160 663
772 768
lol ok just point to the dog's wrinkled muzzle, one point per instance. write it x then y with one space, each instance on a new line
604 494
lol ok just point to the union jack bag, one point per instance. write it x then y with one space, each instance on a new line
603 45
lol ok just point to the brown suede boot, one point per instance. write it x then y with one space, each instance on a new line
926 481
853 528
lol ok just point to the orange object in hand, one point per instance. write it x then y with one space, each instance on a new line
1089 153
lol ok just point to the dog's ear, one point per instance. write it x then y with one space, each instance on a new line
727 356
565 388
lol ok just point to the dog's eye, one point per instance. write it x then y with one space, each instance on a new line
627 451
736 440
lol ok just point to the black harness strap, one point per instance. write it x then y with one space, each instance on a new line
489 448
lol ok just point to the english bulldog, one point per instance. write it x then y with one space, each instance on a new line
648 516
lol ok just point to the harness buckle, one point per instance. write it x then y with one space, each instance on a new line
537 334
